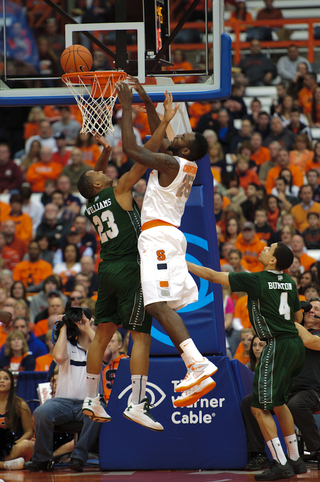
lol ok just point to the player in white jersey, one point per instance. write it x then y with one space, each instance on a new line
166 283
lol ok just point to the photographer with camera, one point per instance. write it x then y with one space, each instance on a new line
73 335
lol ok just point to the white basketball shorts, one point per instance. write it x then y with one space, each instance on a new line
164 272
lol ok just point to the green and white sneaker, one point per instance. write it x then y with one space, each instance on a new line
141 414
94 410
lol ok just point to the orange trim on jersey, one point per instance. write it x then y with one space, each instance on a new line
191 169
154 223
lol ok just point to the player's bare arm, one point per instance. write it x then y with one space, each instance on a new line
153 117
102 162
162 162
209 274
310 341
298 316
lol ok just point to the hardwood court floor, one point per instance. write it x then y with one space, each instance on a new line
92 474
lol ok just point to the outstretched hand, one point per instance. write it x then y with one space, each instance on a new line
125 95
138 88
169 110
102 140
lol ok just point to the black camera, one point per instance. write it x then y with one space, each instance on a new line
73 315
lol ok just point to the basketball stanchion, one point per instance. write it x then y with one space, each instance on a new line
95 94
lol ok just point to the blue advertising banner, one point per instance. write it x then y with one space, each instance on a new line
207 435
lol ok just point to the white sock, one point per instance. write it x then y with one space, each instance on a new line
276 450
92 385
191 351
185 359
292 446
139 383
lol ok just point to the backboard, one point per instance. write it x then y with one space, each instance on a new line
142 38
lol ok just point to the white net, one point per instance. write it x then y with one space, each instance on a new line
95 96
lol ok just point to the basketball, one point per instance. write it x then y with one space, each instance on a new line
76 58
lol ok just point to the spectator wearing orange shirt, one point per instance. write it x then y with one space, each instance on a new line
179 63
315 162
260 154
9 257
297 246
32 128
246 175
301 210
207 120
302 152
55 308
240 15
90 149
249 244
312 110
16 244
283 163
306 93
243 351
62 155
40 172
43 362
196 111
22 221
32 272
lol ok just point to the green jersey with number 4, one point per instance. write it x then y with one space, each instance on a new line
272 301
118 229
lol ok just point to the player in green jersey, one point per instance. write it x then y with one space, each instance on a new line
274 307
116 218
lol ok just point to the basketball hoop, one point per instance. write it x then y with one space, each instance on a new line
96 94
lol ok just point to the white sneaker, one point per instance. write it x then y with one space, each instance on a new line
15 464
94 410
192 396
141 414
197 372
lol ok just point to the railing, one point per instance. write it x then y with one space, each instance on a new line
237 45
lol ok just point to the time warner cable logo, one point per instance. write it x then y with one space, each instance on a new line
198 413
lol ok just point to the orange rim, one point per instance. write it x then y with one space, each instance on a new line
90 76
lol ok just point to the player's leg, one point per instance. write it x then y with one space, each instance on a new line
168 286
91 405
286 422
139 407
198 381
107 320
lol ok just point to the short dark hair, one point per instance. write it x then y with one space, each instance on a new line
312 213
85 186
198 147
284 256
51 279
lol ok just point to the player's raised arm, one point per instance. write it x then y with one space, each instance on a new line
209 274
161 162
153 118
102 161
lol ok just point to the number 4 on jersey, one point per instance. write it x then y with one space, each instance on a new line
284 308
